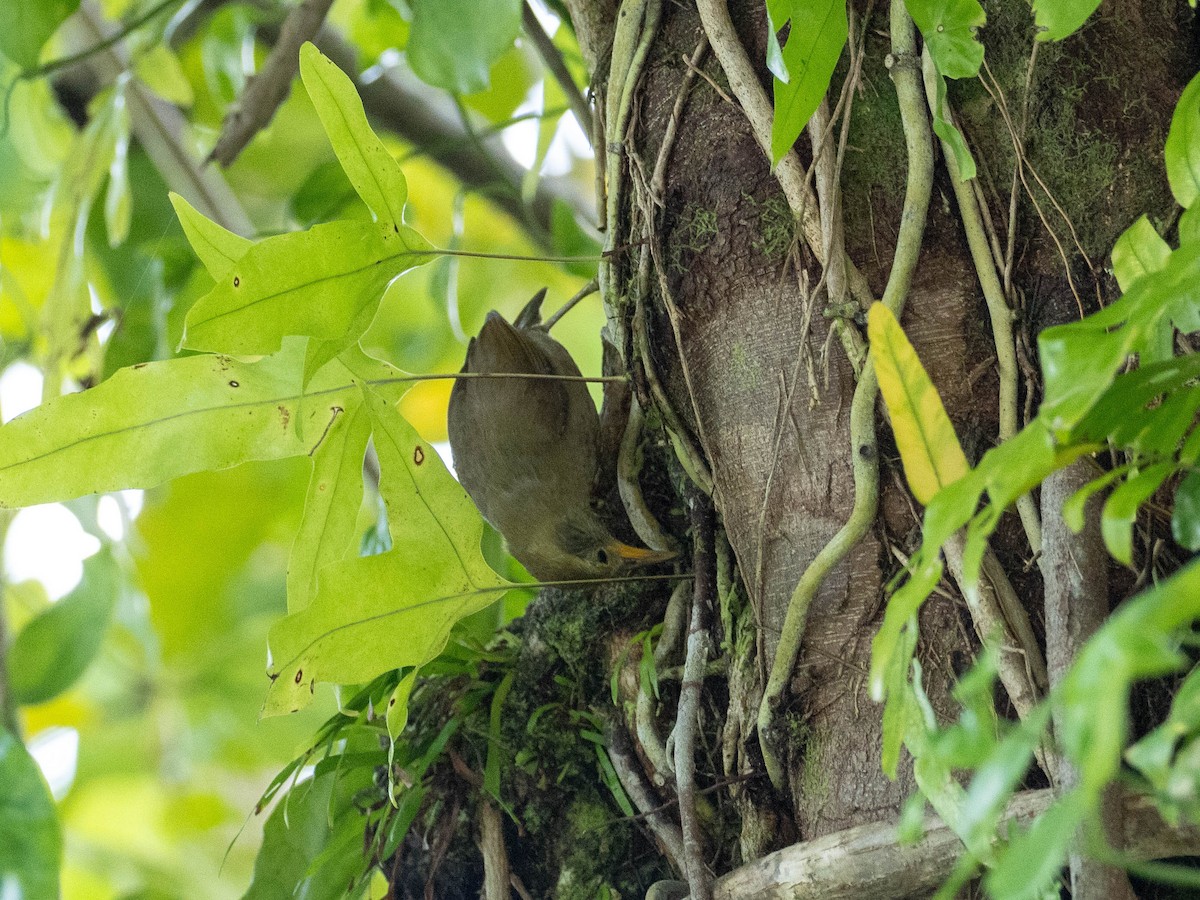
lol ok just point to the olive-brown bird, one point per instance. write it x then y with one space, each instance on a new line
526 451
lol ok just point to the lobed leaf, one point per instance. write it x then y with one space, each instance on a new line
928 446
372 170
1185 518
377 613
1120 510
157 421
948 28
325 283
219 248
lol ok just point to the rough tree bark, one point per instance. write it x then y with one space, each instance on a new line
740 337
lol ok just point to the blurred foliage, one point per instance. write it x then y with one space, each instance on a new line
155 661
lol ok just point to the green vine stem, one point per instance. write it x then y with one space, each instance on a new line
998 310
865 461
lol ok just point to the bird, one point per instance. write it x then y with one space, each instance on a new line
526 451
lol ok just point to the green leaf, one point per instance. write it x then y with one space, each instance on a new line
453 43
160 70
57 645
1116 521
118 201
929 448
1185 519
157 421
296 833
495 750
1032 862
219 249
1189 226
948 132
1081 360
1061 18
814 45
1152 754
777 16
397 708
395 609
1182 151
25 25
1073 509
1138 250
324 283
30 836
948 27
373 171
328 530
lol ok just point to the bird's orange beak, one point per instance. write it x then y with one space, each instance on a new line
640 555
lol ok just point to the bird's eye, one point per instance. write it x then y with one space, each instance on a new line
602 556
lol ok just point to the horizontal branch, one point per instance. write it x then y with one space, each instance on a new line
869 861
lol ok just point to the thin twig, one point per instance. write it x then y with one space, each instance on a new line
553 59
590 288
629 774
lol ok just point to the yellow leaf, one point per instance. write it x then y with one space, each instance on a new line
928 445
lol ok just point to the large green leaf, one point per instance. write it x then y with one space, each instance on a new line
1182 151
1139 250
55 647
30 837
25 25
453 43
1061 18
929 448
948 27
324 283
814 45
395 609
376 176
1081 360
156 421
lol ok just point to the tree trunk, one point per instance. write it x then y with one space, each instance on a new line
740 338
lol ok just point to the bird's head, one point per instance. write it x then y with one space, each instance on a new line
577 545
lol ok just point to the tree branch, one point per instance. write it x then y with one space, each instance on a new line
868 861
268 89
688 715
553 59
160 129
